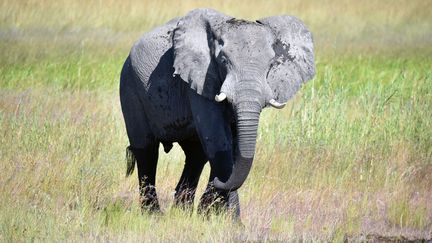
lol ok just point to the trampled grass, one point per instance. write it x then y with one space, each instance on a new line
350 156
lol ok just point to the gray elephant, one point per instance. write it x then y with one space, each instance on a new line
201 81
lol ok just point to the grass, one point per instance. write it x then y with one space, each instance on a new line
350 156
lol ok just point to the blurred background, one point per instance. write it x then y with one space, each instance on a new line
350 157
37 31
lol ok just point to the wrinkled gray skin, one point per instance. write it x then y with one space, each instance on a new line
168 87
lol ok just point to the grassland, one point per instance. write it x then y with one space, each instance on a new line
350 156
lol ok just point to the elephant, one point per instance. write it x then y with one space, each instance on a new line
202 80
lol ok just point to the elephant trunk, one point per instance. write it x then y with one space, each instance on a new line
247 125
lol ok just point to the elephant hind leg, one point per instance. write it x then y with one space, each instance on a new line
194 164
146 159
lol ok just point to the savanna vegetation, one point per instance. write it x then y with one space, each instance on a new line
350 157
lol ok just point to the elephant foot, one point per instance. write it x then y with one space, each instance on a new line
149 202
211 202
215 201
151 208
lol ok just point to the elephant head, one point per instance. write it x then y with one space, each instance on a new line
249 65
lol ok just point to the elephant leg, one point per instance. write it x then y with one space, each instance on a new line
219 200
214 130
146 159
194 164
234 204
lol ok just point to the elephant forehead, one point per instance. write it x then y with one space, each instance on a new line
252 34
248 41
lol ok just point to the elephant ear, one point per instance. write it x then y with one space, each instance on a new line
294 64
193 51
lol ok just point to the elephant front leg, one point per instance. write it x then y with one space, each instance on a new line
213 125
146 159
219 200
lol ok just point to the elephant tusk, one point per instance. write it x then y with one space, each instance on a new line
276 104
220 97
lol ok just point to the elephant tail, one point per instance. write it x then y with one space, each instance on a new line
130 161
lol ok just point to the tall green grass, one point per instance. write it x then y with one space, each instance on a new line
351 155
